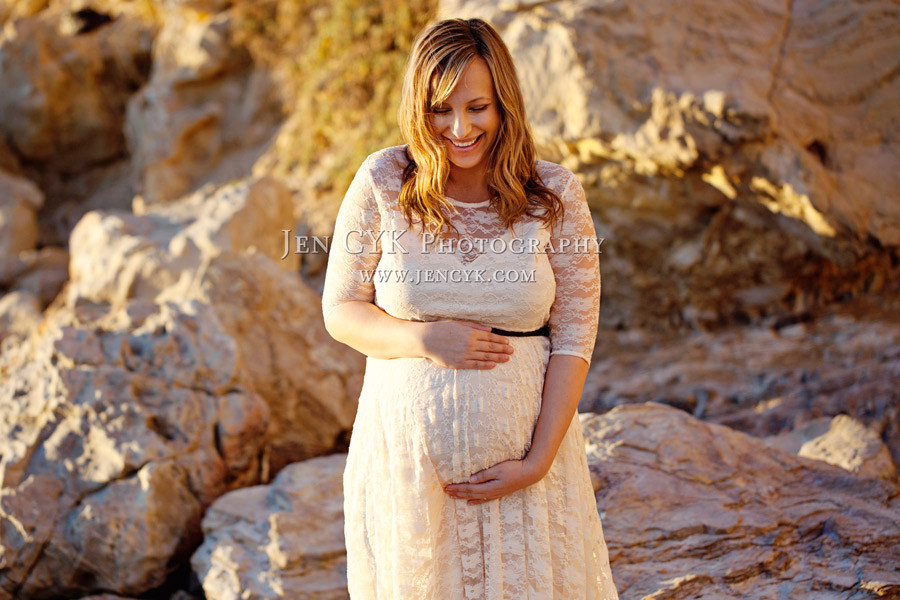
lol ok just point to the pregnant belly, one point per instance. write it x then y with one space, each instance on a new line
461 420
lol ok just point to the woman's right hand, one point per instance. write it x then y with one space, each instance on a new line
464 345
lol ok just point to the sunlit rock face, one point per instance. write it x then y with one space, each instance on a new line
204 111
68 73
696 510
119 427
283 540
741 159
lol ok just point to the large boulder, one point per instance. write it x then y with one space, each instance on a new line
841 441
119 427
62 104
740 164
68 71
207 111
158 251
284 540
693 509
223 247
689 509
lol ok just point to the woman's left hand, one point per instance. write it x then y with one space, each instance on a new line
497 481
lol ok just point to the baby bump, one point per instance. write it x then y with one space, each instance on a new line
462 420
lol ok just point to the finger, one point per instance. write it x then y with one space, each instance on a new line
489 356
475 325
477 364
474 491
482 476
499 339
494 347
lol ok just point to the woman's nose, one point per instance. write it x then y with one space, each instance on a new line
460 127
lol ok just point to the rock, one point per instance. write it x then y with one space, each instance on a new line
64 95
764 380
169 252
119 427
224 249
309 380
841 441
68 72
42 273
157 252
20 314
284 540
20 200
693 509
205 111
721 196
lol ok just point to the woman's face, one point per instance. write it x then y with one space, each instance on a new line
469 119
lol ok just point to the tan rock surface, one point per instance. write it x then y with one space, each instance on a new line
697 510
65 92
157 252
42 273
67 79
764 380
283 540
20 314
20 200
224 248
118 428
841 441
206 111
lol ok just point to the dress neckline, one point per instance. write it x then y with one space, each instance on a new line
468 204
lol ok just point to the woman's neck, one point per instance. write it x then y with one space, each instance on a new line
468 187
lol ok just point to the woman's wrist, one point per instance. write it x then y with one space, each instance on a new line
535 467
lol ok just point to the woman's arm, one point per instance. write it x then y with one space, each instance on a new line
457 344
371 331
563 385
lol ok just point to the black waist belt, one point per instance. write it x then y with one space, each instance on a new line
545 331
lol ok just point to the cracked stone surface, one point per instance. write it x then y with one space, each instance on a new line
147 392
697 510
768 379
118 427
224 247
283 540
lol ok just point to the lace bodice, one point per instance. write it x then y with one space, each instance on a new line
519 279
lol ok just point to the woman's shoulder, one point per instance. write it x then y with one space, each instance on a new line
387 161
555 176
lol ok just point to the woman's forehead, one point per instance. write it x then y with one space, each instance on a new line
473 81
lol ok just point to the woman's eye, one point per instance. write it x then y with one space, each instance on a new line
440 111
479 108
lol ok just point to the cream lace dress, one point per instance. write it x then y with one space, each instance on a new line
420 426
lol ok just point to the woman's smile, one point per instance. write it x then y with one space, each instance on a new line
466 146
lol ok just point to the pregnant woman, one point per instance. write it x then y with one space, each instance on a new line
466 271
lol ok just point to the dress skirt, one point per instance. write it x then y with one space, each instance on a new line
420 426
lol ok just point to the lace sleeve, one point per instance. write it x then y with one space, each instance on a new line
353 252
575 312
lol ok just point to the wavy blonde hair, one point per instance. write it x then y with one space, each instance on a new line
440 56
